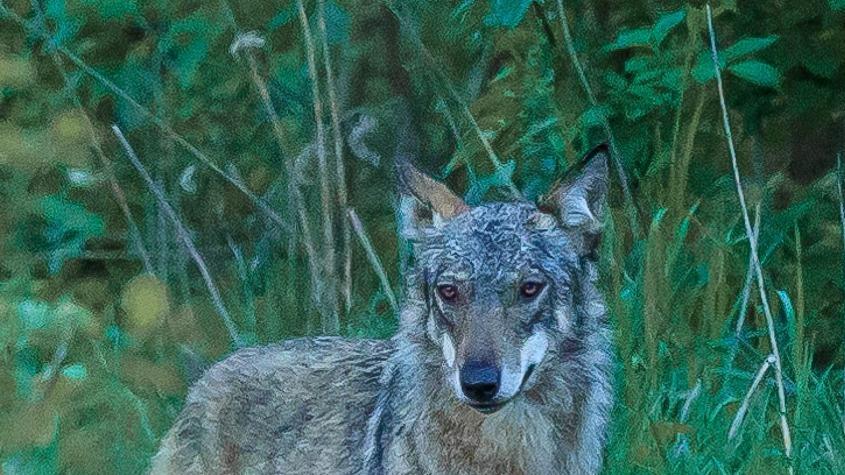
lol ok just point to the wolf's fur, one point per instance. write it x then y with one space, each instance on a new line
332 405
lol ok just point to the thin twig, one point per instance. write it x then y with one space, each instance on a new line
373 257
749 278
591 97
743 408
694 393
247 42
184 236
332 324
340 168
752 242
313 258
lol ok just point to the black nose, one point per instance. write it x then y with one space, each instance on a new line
479 381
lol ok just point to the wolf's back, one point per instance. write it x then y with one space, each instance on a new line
297 407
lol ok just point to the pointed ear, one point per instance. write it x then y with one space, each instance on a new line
578 199
424 201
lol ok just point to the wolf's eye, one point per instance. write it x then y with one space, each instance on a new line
530 289
448 292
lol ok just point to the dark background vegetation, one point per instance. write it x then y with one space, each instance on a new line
106 319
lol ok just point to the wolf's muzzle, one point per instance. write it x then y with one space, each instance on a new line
480 381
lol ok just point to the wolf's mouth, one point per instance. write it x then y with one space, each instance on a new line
488 408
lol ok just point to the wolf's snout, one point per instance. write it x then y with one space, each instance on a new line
480 381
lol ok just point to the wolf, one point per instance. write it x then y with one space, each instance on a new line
502 362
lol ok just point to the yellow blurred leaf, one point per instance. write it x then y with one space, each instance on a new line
15 72
145 301
143 373
69 126
38 430
665 432
32 148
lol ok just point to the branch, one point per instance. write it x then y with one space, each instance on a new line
111 176
331 325
749 278
740 414
340 169
184 236
373 257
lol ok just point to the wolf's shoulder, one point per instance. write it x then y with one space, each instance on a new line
269 406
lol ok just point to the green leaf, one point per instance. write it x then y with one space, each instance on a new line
112 9
821 61
66 26
703 70
836 5
789 311
282 18
34 314
499 178
747 46
506 13
636 64
657 217
595 115
631 38
665 24
67 312
76 371
27 366
69 226
757 72
337 23
189 40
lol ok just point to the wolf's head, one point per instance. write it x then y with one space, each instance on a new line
499 281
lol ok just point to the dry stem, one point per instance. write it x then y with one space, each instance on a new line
752 242
331 324
743 408
373 257
340 169
184 236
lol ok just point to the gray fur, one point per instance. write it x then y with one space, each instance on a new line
338 406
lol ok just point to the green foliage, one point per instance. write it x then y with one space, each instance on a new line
506 13
754 71
648 37
69 227
104 316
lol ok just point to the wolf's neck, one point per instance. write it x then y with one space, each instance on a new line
520 438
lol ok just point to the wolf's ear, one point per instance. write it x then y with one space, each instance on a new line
579 199
424 201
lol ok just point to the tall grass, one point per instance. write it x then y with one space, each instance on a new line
718 322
